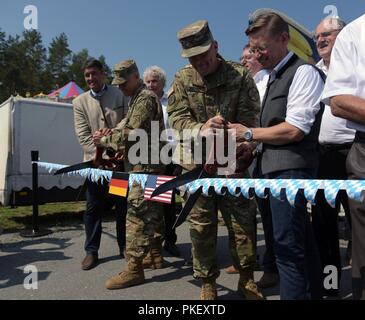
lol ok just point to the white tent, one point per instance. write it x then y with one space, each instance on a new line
30 124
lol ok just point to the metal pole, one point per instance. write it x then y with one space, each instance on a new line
35 157
35 232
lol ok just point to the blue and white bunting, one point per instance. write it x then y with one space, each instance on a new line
355 188
93 174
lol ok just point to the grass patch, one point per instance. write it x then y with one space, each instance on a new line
50 215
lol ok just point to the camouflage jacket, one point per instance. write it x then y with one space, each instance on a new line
144 107
230 92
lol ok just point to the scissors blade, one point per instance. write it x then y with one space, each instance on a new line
187 207
75 167
178 181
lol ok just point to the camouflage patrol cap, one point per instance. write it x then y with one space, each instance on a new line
195 38
122 70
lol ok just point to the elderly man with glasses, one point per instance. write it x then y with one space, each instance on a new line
335 141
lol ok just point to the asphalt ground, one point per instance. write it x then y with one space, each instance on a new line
57 259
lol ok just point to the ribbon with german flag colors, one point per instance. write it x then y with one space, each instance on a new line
355 189
119 184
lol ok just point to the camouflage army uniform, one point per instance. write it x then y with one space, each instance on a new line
143 217
231 92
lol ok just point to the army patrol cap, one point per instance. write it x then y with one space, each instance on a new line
122 70
195 39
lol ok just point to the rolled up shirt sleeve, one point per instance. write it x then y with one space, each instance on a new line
304 98
340 80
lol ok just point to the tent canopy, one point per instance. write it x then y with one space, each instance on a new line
70 90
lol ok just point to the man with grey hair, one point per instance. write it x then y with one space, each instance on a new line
155 80
335 141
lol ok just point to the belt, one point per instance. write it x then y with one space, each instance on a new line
336 146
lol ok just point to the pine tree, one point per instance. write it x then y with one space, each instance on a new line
107 70
76 68
59 57
2 65
35 61
14 65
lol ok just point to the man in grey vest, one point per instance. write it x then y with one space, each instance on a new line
270 276
289 123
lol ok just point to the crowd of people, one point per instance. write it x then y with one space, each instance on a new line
303 121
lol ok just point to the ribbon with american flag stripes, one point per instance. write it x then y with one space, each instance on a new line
355 188
152 183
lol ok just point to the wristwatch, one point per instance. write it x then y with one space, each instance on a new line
248 135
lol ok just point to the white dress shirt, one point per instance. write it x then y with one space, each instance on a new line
333 129
304 95
346 75
261 79
169 132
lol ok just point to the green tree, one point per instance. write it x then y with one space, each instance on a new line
75 69
25 66
59 57
35 62
107 70
23 62
13 58
2 65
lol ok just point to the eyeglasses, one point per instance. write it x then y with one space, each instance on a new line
261 49
324 34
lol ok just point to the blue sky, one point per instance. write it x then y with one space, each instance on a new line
145 30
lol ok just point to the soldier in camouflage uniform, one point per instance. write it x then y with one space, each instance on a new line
207 87
143 216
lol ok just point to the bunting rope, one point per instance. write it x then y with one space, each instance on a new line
237 187
90 173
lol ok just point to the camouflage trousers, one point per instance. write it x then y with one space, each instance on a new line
143 223
239 217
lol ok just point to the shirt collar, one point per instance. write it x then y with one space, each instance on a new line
281 64
260 75
164 96
320 65
99 94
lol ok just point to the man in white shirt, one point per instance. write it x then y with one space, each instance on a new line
345 93
270 276
289 132
155 80
257 72
335 141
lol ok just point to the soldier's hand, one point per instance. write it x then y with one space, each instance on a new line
212 125
106 131
237 131
99 134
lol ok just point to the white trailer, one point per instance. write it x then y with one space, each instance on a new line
46 126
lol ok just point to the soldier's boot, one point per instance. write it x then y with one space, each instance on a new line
208 290
126 255
147 261
248 288
154 258
132 276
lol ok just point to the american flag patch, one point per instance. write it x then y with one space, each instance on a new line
152 183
